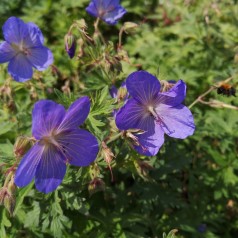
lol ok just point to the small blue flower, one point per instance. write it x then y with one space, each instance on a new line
58 141
108 10
23 48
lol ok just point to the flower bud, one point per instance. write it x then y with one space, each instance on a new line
143 168
107 153
7 199
130 27
3 194
70 44
121 93
21 146
96 185
81 24
9 203
123 55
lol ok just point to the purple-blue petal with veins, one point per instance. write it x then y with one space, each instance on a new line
28 165
112 17
6 52
80 147
14 30
131 116
35 31
92 10
177 121
76 114
143 86
51 170
108 10
151 140
106 4
20 68
175 95
40 57
46 117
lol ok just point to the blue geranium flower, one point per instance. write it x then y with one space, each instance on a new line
154 112
59 141
23 48
109 11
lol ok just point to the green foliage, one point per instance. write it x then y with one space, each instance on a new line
193 182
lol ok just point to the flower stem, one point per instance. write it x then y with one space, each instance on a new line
114 137
199 98
120 37
97 31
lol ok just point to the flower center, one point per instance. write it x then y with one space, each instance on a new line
50 140
20 48
153 113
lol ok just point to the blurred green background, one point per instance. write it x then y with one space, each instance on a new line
193 186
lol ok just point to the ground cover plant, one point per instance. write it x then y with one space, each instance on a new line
118 118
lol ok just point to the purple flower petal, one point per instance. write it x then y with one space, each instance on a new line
80 147
6 52
27 167
143 87
50 171
36 31
113 16
46 117
14 30
20 68
108 10
175 95
40 57
150 141
106 4
34 37
131 116
92 10
113 91
177 121
76 114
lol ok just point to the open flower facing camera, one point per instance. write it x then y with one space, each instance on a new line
59 141
154 112
23 48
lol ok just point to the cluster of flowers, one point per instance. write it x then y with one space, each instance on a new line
58 139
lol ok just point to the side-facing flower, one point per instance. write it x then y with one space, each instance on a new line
23 48
109 11
154 112
59 141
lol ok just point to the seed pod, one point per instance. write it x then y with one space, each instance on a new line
21 146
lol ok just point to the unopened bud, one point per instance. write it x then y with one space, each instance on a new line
108 156
11 186
7 199
121 93
70 44
123 55
3 194
21 146
130 27
81 24
143 168
9 203
107 153
96 185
